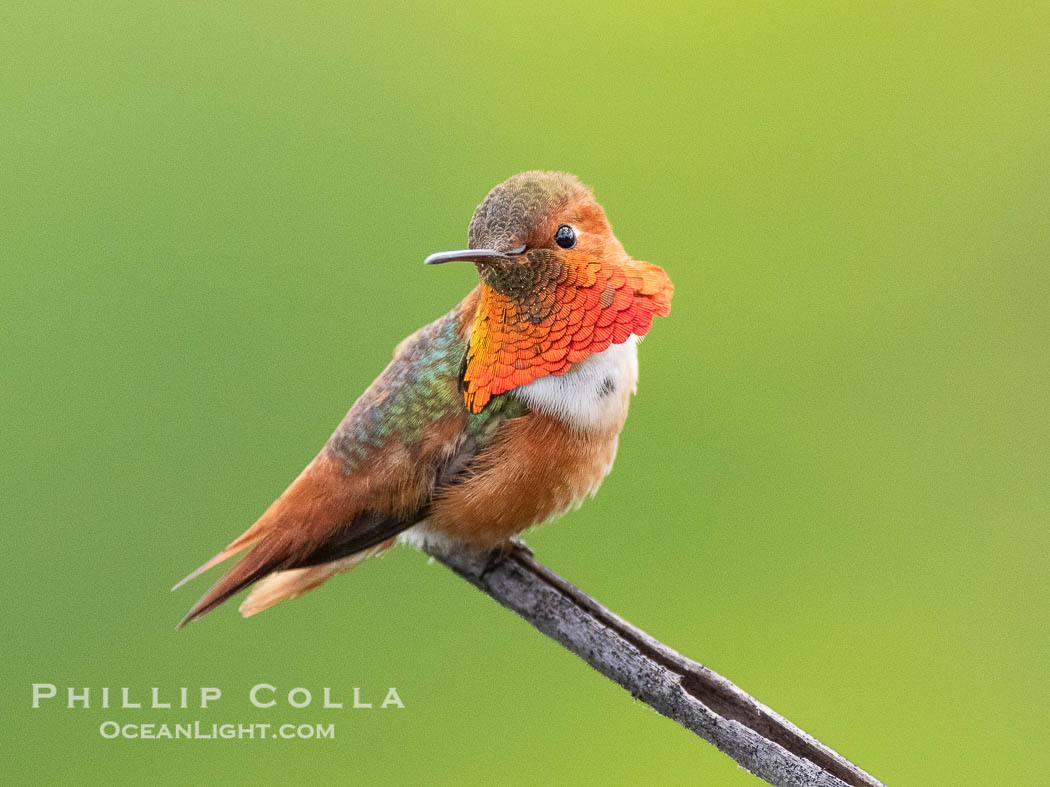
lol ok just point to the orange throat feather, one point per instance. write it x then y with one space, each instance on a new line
570 308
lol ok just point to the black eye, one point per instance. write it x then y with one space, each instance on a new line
565 236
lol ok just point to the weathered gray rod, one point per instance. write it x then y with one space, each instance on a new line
759 739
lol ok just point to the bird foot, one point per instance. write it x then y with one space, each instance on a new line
492 561
501 553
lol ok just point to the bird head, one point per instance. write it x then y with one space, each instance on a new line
529 223
556 284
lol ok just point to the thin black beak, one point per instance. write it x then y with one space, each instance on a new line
471 255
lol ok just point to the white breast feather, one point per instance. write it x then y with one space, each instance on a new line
593 394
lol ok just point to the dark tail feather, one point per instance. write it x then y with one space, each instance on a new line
252 567
283 551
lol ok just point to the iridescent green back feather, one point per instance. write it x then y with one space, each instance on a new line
420 386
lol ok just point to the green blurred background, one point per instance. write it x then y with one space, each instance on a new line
833 487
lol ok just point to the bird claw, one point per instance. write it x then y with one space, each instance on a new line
494 558
492 562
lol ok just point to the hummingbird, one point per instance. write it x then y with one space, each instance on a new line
503 414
